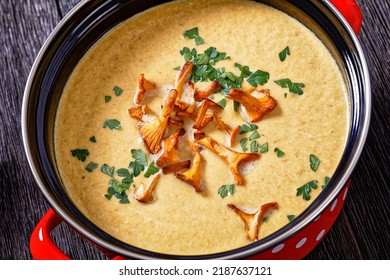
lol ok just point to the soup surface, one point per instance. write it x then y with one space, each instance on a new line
299 142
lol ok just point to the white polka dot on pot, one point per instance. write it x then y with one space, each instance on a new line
278 248
333 205
320 235
301 243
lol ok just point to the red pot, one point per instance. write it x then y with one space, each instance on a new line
294 241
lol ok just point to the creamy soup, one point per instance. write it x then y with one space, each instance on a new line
299 142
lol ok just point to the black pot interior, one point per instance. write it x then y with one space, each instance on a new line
89 23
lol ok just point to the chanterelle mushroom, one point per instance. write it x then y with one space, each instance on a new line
224 127
170 155
257 104
142 86
153 132
180 81
137 112
233 159
252 220
193 175
204 94
145 194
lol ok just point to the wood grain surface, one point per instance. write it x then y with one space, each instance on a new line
362 231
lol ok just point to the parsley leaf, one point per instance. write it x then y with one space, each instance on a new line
306 189
247 128
140 157
194 34
279 152
118 91
107 98
283 54
264 148
178 68
244 143
254 147
292 87
81 154
314 162
326 182
118 190
112 124
222 102
255 135
110 171
91 167
245 72
226 190
235 105
290 217
92 139
123 172
152 169
136 167
258 78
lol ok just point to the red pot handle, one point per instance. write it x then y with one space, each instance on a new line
351 11
42 246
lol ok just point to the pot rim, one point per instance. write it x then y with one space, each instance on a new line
234 254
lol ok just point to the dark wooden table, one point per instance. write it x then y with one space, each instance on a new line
361 232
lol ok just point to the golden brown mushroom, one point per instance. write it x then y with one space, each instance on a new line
252 220
170 155
180 81
137 112
204 94
145 194
224 127
193 175
142 86
231 158
255 107
176 167
153 132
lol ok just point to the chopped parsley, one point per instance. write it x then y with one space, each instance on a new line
264 148
81 154
117 90
194 34
283 54
244 143
326 182
91 167
258 78
178 68
314 162
152 169
279 152
255 135
118 190
112 124
306 189
235 105
107 98
106 169
123 172
226 190
254 147
140 162
92 139
292 87
245 128
222 102
290 218
245 71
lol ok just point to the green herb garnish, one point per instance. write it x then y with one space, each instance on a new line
235 105
112 124
110 171
283 54
254 147
292 87
92 139
222 102
245 71
258 78
314 162
194 34
290 217
140 162
118 91
118 190
279 152
152 169
107 98
255 135
247 128
81 154
123 172
306 189
326 182
264 148
226 190
91 167
178 68
244 143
